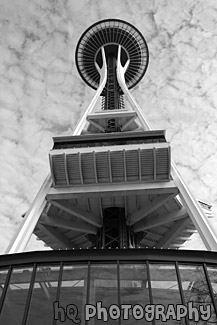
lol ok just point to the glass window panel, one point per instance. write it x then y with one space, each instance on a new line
3 276
73 292
104 288
196 290
165 289
43 295
16 295
134 289
212 272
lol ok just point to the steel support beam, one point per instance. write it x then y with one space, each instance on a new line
67 224
23 234
79 213
105 114
97 126
57 237
195 211
128 123
174 231
141 146
105 190
150 207
152 222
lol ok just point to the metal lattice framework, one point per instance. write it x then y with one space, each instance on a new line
109 34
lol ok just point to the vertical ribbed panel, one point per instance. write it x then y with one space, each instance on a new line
147 165
73 169
59 169
111 166
161 162
87 165
132 165
102 166
117 165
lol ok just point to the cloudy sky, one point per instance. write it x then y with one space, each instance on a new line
42 95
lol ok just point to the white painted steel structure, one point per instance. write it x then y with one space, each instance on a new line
69 206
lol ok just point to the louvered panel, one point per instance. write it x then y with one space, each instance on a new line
102 165
131 157
73 169
117 165
58 170
162 163
110 165
147 164
87 166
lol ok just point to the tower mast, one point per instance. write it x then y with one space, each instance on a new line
112 184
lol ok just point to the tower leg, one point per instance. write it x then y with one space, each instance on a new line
195 212
26 229
29 223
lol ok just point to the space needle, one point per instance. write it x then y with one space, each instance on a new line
114 210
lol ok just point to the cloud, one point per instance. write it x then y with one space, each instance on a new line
42 95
